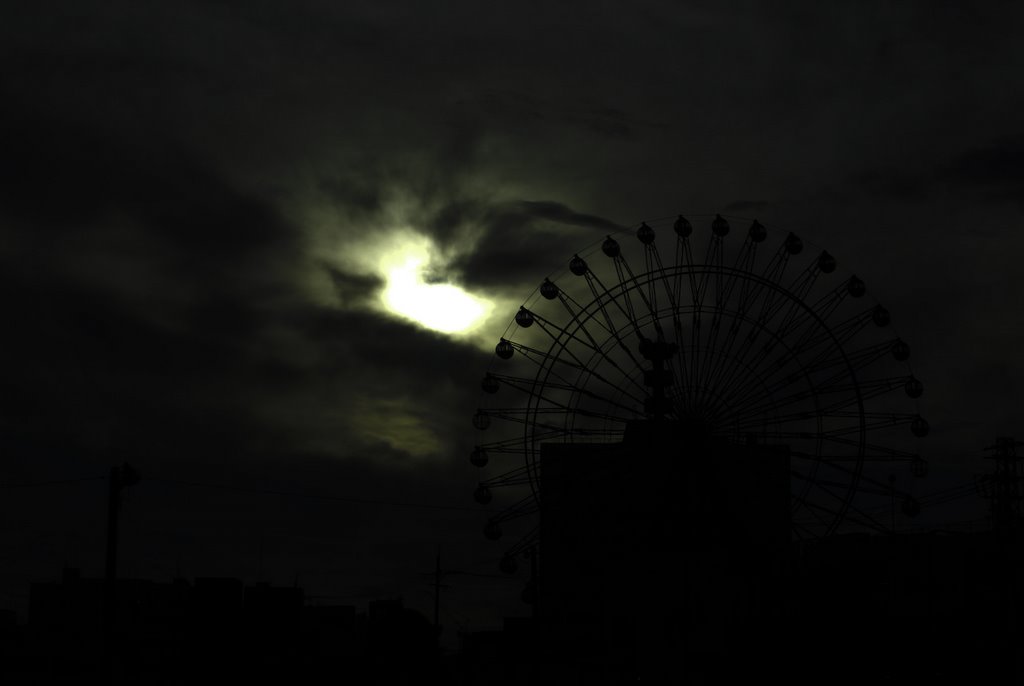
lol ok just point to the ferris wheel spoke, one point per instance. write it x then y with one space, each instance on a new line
546 362
835 459
773 274
517 444
849 363
807 534
760 404
868 390
512 446
823 482
852 458
684 265
853 512
758 391
860 517
764 350
596 347
738 378
714 364
871 388
877 487
555 406
599 298
524 418
811 321
744 265
652 261
526 506
875 450
653 265
749 346
529 541
626 277
720 368
814 510
852 362
816 335
797 291
776 267
712 277
526 386
593 347
575 309
523 383
562 341
734 375
713 259
605 295
842 332
519 476
856 515
881 420
741 386
525 415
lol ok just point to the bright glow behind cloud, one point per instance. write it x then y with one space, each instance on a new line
439 306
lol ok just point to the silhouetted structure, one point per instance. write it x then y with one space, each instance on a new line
1005 486
668 558
216 630
659 554
688 409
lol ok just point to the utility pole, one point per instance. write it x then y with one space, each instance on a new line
892 503
1005 484
437 592
121 477
437 575
534 580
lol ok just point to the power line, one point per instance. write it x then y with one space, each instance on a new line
54 482
316 496
261 491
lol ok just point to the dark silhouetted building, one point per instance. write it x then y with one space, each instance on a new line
661 555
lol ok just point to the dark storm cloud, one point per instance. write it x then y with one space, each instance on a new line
512 108
353 289
68 174
159 162
520 238
197 141
747 205
996 169
999 162
892 182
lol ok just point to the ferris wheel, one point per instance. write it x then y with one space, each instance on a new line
750 343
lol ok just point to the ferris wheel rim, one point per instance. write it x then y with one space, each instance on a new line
811 316
646 278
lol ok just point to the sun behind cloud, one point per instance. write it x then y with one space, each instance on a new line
442 307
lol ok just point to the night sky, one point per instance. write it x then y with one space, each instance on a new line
200 204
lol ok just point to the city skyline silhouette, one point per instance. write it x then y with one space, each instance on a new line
255 258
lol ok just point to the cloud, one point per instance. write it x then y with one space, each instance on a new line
893 182
747 205
996 169
521 242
